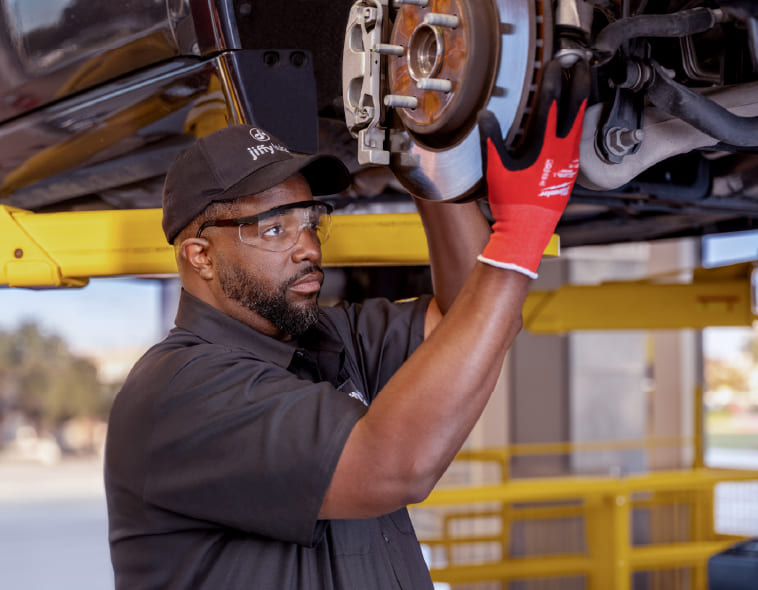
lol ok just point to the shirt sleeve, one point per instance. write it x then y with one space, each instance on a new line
379 335
246 444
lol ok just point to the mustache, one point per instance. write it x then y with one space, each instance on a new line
314 268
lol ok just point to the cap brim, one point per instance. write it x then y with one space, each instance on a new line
326 175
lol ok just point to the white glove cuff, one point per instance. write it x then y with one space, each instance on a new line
507 266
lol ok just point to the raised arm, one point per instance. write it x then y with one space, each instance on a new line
412 431
456 234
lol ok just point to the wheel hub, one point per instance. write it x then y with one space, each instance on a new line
450 53
442 61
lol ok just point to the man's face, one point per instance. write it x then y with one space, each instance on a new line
271 302
282 288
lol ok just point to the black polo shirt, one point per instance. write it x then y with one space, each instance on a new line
223 441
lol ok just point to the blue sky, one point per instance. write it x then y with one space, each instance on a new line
107 313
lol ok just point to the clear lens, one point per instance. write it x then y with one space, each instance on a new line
281 231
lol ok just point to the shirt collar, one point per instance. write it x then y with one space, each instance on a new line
215 326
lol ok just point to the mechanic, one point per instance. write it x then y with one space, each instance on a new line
270 443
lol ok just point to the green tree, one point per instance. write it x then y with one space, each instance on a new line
41 378
724 375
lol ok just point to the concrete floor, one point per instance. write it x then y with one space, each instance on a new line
53 524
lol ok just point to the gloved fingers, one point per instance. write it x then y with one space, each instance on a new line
489 129
577 81
557 107
567 90
539 123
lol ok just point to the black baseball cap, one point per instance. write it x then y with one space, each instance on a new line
239 161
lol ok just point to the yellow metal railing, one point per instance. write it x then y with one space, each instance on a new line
575 532
501 457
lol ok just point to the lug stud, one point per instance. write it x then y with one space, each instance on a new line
438 19
436 84
388 49
400 101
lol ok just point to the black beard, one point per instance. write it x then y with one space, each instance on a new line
270 305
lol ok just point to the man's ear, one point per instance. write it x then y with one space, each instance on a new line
193 254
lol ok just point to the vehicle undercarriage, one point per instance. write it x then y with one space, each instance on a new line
97 102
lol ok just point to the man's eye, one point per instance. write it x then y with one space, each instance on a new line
272 230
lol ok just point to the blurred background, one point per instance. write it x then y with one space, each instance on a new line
63 356
65 352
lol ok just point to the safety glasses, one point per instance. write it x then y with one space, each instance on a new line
279 229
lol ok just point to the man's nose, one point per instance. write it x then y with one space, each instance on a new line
307 246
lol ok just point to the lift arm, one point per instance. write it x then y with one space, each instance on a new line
715 297
66 249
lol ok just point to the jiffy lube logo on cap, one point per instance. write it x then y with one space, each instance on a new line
259 134
263 151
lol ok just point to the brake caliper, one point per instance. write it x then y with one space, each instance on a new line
362 63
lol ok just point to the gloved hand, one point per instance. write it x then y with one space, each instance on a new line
529 189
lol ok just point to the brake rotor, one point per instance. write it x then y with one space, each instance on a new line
461 56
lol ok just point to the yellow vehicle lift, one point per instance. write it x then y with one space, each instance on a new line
66 249
724 296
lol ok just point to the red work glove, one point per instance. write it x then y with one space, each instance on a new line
528 190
